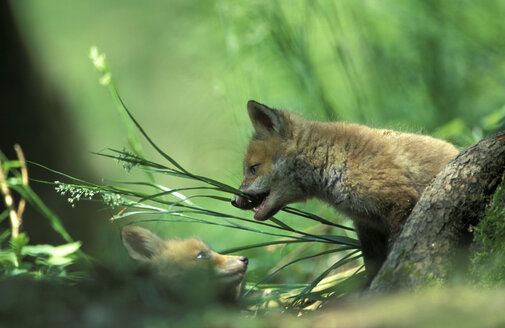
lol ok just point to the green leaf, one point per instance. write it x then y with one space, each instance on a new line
59 261
17 243
8 257
4 215
4 235
53 251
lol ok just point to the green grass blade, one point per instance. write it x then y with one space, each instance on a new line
27 193
341 287
339 249
341 240
86 183
167 170
269 243
346 259
314 217
191 219
144 133
125 156
282 224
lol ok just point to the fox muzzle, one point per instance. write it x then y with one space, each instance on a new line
241 202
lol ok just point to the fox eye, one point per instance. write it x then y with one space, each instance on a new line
254 168
202 256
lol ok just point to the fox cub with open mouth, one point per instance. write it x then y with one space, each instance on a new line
189 267
374 176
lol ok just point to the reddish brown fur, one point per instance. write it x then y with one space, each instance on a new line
375 176
175 260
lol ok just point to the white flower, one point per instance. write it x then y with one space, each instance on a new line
105 79
98 59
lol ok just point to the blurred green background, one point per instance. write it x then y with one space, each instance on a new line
187 68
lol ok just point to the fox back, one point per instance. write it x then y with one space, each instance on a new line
188 266
374 176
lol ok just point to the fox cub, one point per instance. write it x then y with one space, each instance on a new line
374 176
189 265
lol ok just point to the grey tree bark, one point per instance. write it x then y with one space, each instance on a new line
440 223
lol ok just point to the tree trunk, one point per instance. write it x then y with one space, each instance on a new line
440 224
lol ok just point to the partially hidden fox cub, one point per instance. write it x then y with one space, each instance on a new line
374 176
189 265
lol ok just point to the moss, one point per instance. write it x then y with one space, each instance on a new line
408 272
488 261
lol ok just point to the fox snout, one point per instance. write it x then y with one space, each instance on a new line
244 260
244 203
241 202
232 266
256 202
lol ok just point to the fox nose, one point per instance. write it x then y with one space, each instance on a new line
241 202
244 259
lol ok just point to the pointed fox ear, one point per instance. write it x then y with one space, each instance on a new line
141 243
265 119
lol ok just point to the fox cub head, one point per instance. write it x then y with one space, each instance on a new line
269 163
190 261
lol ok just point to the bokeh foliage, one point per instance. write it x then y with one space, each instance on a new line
412 64
187 69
